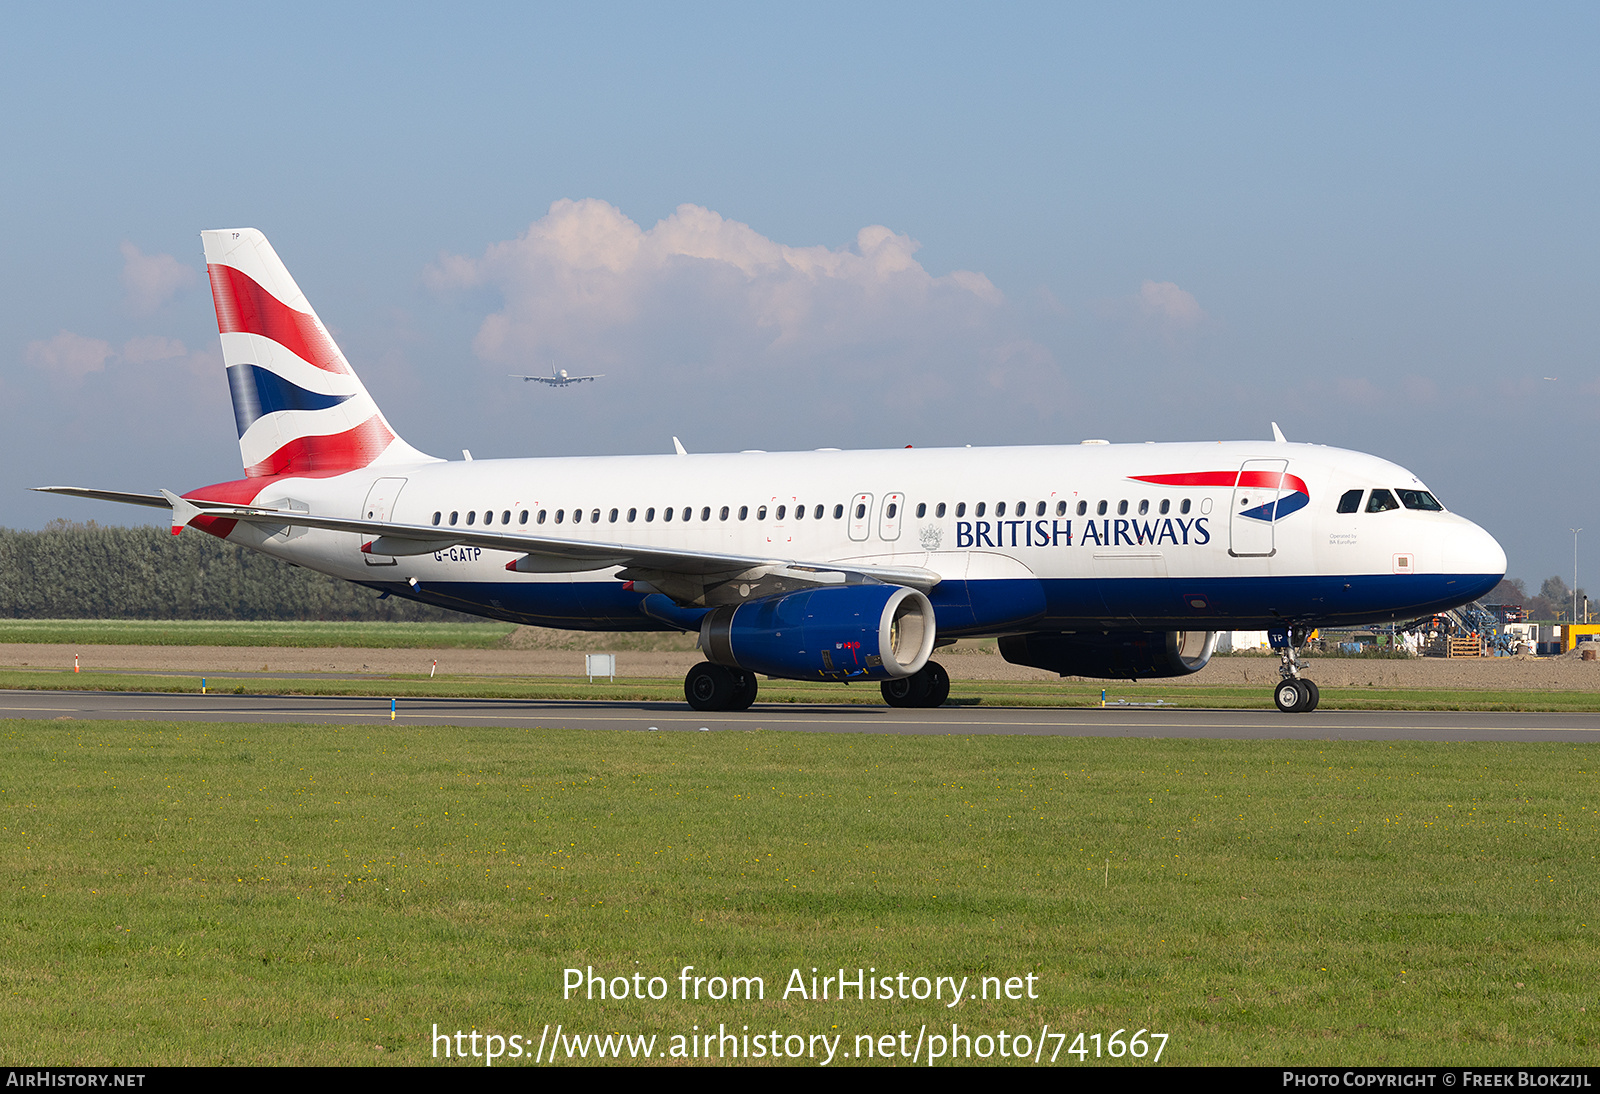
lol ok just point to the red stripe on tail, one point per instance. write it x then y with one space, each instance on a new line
244 307
347 451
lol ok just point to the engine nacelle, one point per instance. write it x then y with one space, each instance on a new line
854 632
1112 655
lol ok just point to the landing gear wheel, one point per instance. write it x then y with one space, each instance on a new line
746 692
906 691
1314 697
710 687
929 686
1290 696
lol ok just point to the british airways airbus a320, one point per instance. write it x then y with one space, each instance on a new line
1115 561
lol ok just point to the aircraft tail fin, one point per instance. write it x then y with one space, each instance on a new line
298 405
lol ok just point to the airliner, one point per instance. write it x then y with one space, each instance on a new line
557 378
1117 561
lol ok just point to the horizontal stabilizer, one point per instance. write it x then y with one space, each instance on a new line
155 501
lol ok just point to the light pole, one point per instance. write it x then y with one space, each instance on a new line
1575 532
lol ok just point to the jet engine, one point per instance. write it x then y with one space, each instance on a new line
1112 655
854 632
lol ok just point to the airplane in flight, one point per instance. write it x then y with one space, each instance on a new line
1118 561
557 378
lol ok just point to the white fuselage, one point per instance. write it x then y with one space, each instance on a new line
1028 538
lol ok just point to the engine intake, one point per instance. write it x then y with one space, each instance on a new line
836 633
1112 655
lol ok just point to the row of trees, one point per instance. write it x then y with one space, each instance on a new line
90 571
1553 602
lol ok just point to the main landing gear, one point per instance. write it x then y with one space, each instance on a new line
1294 694
929 686
716 687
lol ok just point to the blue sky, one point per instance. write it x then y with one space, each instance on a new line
843 225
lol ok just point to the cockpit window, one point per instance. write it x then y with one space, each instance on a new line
1420 499
1350 501
1381 501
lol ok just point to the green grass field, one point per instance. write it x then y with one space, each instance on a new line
962 693
184 894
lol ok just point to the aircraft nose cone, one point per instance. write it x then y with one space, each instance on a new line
1476 556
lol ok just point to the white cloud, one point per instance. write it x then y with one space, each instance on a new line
151 280
586 283
152 347
1166 303
70 355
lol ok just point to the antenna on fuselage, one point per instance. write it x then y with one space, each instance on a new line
1277 434
678 445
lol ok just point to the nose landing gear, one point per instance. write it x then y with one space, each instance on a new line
1294 694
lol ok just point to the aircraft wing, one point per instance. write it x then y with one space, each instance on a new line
657 567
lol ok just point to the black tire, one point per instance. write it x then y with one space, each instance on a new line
709 687
906 691
1289 696
745 693
1315 697
929 686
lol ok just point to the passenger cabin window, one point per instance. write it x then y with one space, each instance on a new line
799 512
938 510
861 511
781 511
523 519
961 509
1061 508
650 514
1083 507
922 509
505 518
838 512
1166 506
761 512
999 509
472 515
633 515
978 512
723 513
705 513
816 514
1144 507
1122 508
453 516
1420 499
744 511
436 518
613 517
542 513
1381 501
1100 510
1183 506
1350 501
687 512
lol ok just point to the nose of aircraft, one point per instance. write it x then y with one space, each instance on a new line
1475 555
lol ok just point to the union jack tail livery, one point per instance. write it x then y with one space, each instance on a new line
299 406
